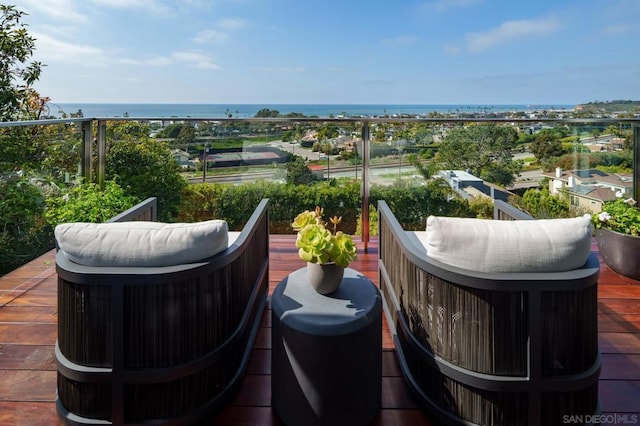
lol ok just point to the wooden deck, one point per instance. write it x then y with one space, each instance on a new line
28 333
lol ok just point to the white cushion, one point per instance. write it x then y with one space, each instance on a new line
546 245
141 243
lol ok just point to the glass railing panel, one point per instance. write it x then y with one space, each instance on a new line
299 163
582 165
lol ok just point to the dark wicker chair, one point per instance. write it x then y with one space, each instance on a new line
487 348
159 344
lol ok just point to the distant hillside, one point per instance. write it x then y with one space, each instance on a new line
610 106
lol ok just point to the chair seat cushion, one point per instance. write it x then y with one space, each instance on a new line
546 245
141 243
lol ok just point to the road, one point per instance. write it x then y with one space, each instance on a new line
382 174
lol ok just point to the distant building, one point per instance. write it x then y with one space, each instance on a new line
182 157
469 186
317 170
589 188
603 143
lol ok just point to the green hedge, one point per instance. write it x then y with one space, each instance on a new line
235 203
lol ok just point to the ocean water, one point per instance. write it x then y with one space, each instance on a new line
106 110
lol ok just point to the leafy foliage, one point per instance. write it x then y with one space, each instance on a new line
234 203
317 244
623 160
24 231
485 149
88 203
267 113
127 130
619 215
298 173
540 204
546 145
145 168
18 99
413 205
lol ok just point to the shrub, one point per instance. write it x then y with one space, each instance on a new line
25 234
235 203
87 203
147 169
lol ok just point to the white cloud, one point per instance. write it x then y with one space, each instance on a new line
214 35
131 4
282 69
197 59
231 24
191 59
211 36
60 10
510 30
158 61
53 50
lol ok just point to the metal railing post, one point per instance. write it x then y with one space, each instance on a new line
365 185
87 150
636 161
102 152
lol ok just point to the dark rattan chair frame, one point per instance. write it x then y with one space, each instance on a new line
489 348
159 344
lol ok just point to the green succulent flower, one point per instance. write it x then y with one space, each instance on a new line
315 243
344 251
303 219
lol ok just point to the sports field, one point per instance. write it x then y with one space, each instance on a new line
242 156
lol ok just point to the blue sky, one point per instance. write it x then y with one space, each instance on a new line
336 51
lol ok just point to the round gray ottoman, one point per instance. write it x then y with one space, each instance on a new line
326 366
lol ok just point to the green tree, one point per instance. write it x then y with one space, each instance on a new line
186 135
24 233
267 113
546 145
328 131
145 168
484 149
127 130
171 131
298 172
540 204
421 167
18 98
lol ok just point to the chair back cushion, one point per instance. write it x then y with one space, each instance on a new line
141 243
545 245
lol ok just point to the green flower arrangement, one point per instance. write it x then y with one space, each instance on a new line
619 215
317 244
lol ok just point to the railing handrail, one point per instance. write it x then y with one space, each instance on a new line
377 119
505 211
46 122
147 209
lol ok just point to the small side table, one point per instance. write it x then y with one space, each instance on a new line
326 366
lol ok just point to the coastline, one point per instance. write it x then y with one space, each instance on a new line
140 110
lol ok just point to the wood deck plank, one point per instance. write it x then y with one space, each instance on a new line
28 332
26 357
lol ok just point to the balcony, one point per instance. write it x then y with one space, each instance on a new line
28 317
28 304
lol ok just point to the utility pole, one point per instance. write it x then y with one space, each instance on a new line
205 156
